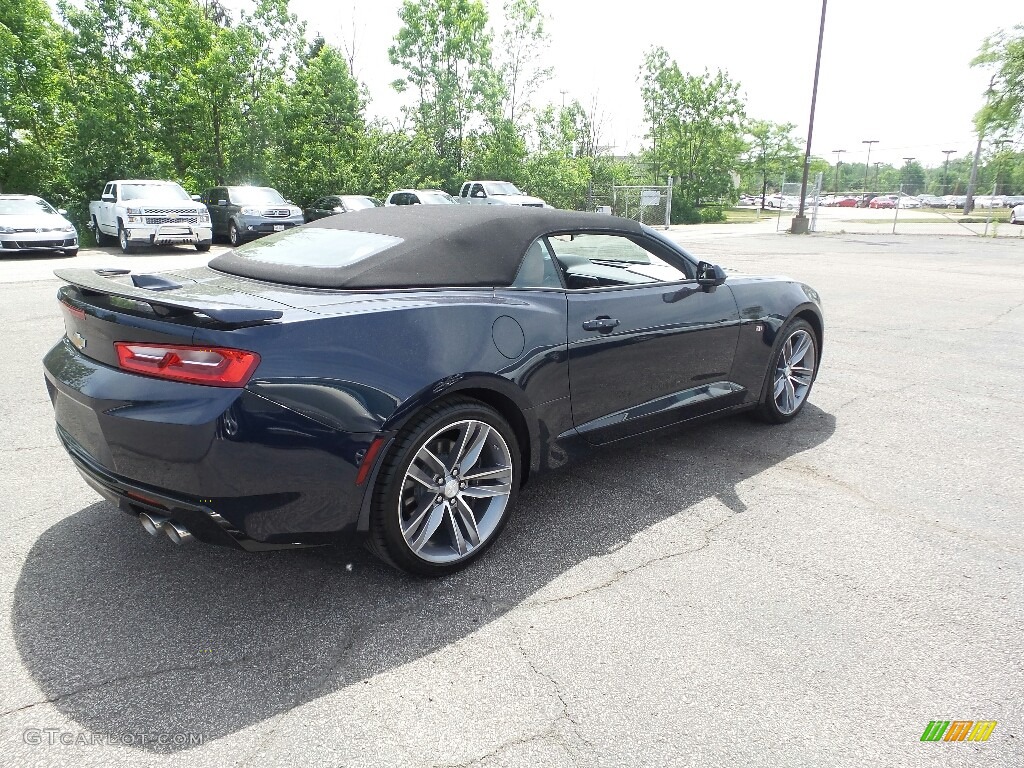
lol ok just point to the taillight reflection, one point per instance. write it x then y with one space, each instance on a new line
213 366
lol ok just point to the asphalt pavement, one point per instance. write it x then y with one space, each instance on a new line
811 594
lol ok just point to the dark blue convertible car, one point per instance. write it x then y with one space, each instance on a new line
399 373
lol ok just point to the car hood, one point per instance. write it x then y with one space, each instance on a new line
44 221
178 205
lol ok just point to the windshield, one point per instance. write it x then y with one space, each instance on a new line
26 206
165 192
256 196
501 188
436 198
358 203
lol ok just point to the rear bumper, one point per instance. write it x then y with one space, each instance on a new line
231 466
255 226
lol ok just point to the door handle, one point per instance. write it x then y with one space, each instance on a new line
602 324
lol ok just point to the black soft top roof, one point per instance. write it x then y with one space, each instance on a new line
441 246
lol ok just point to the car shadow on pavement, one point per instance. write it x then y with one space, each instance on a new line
128 635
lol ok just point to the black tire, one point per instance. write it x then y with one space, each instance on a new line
101 239
203 247
768 409
1013 218
123 241
234 236
385 538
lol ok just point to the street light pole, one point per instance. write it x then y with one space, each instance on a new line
877 163
945 173
906 165
867 164
837 153
800 223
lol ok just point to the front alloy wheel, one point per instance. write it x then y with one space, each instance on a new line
233 235
446 489
124 241
792 373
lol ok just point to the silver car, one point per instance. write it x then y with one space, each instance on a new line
29 223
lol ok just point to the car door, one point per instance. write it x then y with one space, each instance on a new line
108 212
218 212
648 346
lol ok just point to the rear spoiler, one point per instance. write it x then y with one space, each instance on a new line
228 315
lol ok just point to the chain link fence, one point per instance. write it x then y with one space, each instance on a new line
647 204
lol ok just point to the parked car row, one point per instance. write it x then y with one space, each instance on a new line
148 212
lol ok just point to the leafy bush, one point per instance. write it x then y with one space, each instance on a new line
712 213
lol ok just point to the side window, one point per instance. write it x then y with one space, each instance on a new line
320 204
537 270
413 199
465 190
113 190
598 261
478 191
220 193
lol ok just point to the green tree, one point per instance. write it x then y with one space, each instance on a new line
772 150
325 132
444 48
695 128
1003 55
33 110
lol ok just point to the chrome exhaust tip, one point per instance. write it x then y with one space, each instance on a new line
177 533
152 524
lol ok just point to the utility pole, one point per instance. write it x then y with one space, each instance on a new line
906 165
945 173
877 163
867 164
800 223
837 153
969 202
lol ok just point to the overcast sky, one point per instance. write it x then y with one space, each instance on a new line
896 71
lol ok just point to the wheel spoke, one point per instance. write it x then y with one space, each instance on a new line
486 491
458 540
410 528
421 477
802 380
802 346
427 457
459 446
475 448
437 515
790 397
780 386
487 474
465 514
787 353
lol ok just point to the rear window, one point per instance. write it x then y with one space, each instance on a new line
316 247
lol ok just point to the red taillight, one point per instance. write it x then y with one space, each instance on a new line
213 366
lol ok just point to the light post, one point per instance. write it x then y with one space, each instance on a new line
800 224
906 165
867 164
837 153
945 172
877 163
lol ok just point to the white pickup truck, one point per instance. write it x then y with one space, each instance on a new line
497 193
144 212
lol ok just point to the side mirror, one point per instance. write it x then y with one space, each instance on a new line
107 198
709 276
222 202
62 211
196 198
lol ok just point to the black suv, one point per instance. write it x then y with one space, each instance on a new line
243 213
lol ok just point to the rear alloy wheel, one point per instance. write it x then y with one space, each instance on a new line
233 235
446 489
791 373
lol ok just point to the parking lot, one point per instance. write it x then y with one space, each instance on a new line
736 594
